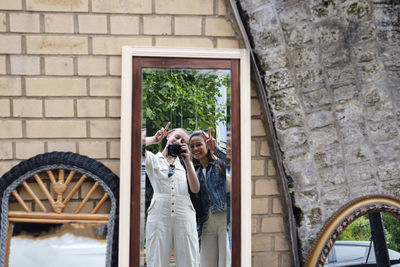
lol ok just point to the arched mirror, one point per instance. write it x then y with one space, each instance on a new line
363 233
182 120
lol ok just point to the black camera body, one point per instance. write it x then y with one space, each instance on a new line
174 150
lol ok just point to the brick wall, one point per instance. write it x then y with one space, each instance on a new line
60 86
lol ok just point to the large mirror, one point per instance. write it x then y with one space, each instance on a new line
185 165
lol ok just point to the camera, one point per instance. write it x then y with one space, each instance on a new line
174 150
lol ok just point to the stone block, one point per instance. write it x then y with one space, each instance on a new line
24 22
92 24
55 87
227 43
6 150
349 111
372 72
364 53
267 187
361 172
388 171
10 5
332 176
306 199
65 5
391 188
305 57
25 65
66 146
114 107
281 243
257 128
10 129
92 66
25 150
5 108
93 149
320 119
261 242
188 26
157 25
292 15
290 119
10 86
115 66
351 132
278 80
355 10
184 42
59 66
323 137
341 75
56 129
257 167
387 151
115 149
264 150
271 258
105 86
2 64
345 92
336 53
299 35
382 131
292 138
27 108
105 128
322 10
284 100
195 7
10 44
124 25
259 206
310 79
91 108
277 206
219 27
272 224
59 107
113 45
273 58
328 32
59 23
336 195
356 153
53 44
122 6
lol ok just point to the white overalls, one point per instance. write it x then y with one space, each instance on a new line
171 220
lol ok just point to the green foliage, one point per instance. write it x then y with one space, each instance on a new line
186 98
392 226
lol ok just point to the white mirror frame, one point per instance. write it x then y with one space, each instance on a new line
126 127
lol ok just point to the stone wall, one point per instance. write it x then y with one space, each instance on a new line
331 70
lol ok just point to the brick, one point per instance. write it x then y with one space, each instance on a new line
35 188
10 129
255 107
24 22
257 128
184 42
59 66
194 7
93 149
6 150
105 87
266 187
261 242
114 108
28 108
253 148
10 86
271 259
105 208
59 23
276 205
115 149
10 44
10 4
2 65
112 165
188 26
56 44
254 225
64 5
56 128
113 45
124 25
272 225
86 186
157 25
3 22
28 65
93 66
61 146
281 243
59 108
92 24
264 150
227 43
105 128
72 206
15 206
257 167
6 165
221 7
122 6
25 150
218 27
259 206
55 87
271 168
91 108
115 66
5 108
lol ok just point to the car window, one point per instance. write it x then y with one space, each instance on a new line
349 253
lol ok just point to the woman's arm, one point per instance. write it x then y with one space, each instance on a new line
193 181
160 135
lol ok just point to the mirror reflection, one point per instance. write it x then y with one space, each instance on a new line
186 168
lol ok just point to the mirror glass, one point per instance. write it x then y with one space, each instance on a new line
61 245
180 227
354 246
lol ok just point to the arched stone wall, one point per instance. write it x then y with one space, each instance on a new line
332 71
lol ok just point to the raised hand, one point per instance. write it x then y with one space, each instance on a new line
161 134
211 143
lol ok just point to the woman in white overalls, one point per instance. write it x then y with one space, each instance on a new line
171 220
